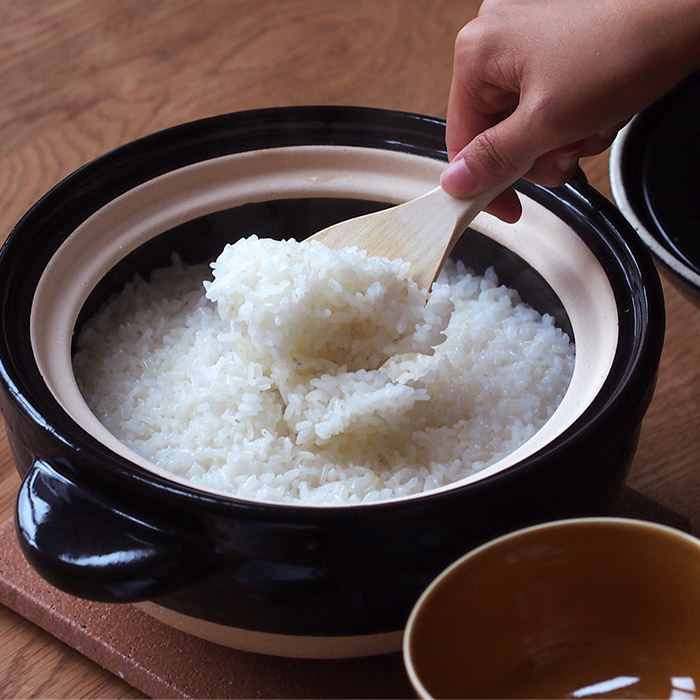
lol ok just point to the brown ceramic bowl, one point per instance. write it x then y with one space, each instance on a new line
597 607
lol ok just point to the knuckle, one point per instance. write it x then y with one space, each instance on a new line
544 109
475 42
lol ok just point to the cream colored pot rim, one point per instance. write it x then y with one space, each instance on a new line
622 200
540 238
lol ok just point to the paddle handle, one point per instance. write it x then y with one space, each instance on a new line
449 214
465 210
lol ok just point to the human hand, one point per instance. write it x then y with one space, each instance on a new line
538 84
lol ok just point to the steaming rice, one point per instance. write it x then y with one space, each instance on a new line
302 374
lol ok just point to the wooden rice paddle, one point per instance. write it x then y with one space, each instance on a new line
422 231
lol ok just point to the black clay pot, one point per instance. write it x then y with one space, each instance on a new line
100 522
654 181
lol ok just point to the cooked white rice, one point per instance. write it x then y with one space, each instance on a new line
316 376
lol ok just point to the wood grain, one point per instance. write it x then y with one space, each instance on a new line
78 77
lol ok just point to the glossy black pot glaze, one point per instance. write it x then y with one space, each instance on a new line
99 526
654 180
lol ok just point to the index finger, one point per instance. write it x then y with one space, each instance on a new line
473 106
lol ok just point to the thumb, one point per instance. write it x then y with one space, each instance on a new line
500 153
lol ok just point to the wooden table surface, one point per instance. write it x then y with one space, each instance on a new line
78 77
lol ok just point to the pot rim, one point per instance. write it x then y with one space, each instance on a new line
627 192
575 201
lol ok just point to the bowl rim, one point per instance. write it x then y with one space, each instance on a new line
429 142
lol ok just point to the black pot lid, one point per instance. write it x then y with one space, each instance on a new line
655 178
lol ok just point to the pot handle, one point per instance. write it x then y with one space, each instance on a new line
83 544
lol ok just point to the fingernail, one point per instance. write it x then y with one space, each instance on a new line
567 161
457 179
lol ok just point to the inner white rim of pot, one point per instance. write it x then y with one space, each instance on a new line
619 193
540 238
